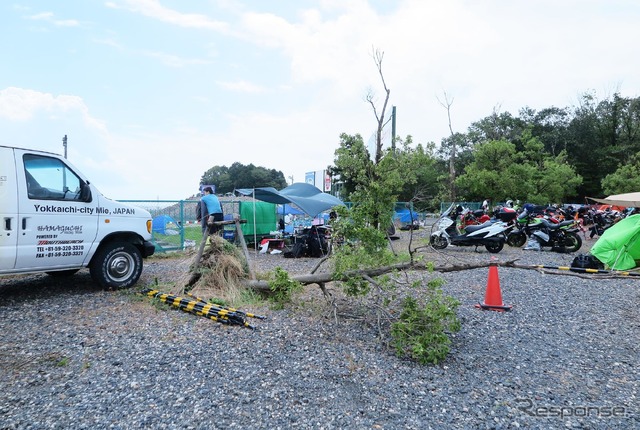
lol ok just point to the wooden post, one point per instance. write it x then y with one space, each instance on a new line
244 247
196 263
240 236
194 267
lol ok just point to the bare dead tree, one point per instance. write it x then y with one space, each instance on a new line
377 58
453 150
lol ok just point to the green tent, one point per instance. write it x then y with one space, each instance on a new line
619 246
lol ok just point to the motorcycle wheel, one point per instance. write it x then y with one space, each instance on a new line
495 247
438 241
572 242
516 239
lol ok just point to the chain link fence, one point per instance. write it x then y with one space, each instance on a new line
175 226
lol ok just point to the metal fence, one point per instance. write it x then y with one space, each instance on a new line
174 221
175 226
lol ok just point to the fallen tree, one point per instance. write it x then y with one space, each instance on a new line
324 277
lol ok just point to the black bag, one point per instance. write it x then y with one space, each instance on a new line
298 250
587 261
317 243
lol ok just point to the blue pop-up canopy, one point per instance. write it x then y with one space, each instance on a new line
306 197
288 210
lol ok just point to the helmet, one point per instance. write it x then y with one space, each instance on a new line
509 203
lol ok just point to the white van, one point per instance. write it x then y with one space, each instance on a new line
55 221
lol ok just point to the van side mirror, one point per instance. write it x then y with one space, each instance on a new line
85 192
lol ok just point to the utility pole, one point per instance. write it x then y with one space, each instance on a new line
393 129
64 144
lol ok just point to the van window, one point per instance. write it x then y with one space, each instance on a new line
50 179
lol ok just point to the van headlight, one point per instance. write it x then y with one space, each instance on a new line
149 226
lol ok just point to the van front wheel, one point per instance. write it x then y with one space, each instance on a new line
116 265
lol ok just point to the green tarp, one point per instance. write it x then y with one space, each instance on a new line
619 246
265 218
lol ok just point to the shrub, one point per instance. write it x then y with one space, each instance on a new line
422 331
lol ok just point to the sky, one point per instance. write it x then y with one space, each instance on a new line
153 93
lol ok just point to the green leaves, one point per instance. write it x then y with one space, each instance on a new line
282 287
421 331
500 172
238 175
626 179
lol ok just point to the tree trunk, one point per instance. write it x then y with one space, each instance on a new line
324 277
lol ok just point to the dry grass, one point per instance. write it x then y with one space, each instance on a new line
219 273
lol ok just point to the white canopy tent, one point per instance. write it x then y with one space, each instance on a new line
628 200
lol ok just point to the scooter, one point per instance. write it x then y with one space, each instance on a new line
450 229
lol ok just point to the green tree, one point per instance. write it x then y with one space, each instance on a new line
352 164
490 174
497 126
422 185
500 172
600 136
584 148
410 174
549 125
626 179
238 175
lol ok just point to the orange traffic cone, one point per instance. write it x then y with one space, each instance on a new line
493 296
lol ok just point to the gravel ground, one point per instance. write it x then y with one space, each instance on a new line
76 357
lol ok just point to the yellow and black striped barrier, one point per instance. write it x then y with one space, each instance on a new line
585 270
202 308
247 314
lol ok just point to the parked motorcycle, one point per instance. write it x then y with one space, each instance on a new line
602 220
505 214
561 236
451 229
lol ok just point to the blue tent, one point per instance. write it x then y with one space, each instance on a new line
305 196
405 216
159 224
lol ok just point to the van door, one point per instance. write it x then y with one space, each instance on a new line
8 210
58 221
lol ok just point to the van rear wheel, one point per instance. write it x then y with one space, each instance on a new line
116 265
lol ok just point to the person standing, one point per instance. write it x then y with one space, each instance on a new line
199 213
211 205
485 205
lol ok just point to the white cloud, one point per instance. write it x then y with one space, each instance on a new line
483 55
109 42
49 17
318 48
242 87
18 104
153 9
174 60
